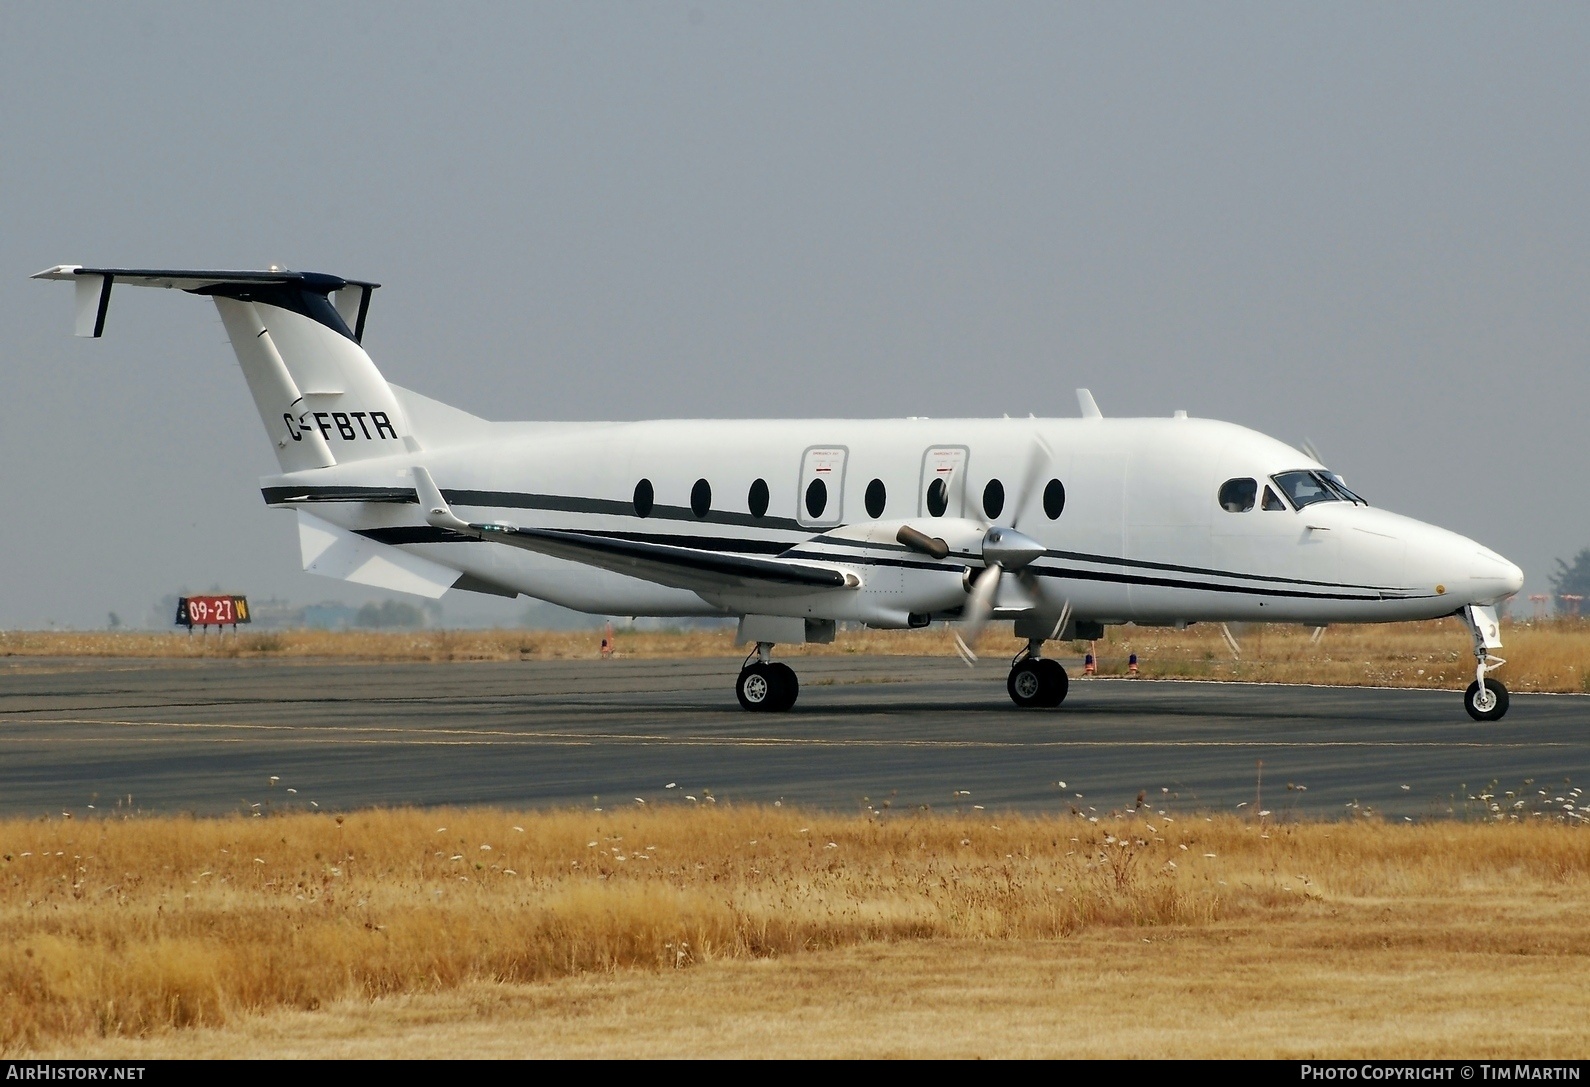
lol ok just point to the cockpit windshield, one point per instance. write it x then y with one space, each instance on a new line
1340 484
1307 487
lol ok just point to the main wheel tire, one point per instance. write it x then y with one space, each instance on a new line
786 684
1477 705
1056 682
1026 684
757 688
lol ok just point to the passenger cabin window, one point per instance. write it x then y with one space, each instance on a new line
816 498
756 498
643 498
1054 499
1239 495
1271 501
938 497
877 497
701 498
993 499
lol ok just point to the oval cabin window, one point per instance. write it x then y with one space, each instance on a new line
877 497
643 498
1054 499
938 497
816 499
756 500
993 499
701 498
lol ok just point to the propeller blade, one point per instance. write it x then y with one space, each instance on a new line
1037 461
965 651
980 605
1308 447
1035 588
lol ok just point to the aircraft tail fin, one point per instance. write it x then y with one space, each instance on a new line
297 336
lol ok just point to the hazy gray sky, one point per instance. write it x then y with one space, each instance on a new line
1360 224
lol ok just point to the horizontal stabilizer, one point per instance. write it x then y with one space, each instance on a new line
343 303
297 338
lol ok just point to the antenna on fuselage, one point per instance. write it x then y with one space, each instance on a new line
1089 406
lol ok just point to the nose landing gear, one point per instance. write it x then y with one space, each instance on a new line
1486 699
766 685
1488 703
1036 681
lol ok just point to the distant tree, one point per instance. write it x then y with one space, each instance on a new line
1573 580
115 621
389 614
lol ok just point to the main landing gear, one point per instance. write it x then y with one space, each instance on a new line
1036 681
766 685
1486 699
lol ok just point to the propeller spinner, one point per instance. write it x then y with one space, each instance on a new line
1004 549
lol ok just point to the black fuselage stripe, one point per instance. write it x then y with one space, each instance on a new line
276 496
427 534
414 534
611 507
1176 583
1078 556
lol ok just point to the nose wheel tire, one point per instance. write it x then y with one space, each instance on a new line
1487 705
1037 683
767 687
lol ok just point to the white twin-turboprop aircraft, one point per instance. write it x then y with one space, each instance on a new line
793 526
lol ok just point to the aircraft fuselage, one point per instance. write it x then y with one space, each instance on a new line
1141 534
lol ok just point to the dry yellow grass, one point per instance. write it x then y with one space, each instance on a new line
1227 990
141 927
1552 656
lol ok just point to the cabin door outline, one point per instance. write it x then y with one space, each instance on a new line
946 464
825 463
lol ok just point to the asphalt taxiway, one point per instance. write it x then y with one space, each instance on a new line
229 735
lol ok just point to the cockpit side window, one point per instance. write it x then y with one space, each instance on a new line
1271 501
1238 495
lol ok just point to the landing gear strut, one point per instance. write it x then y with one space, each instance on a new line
1486 699
766 685
1036 680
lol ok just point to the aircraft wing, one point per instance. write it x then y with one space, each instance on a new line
668 564
691 568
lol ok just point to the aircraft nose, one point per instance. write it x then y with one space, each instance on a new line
1515 579
1493 578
